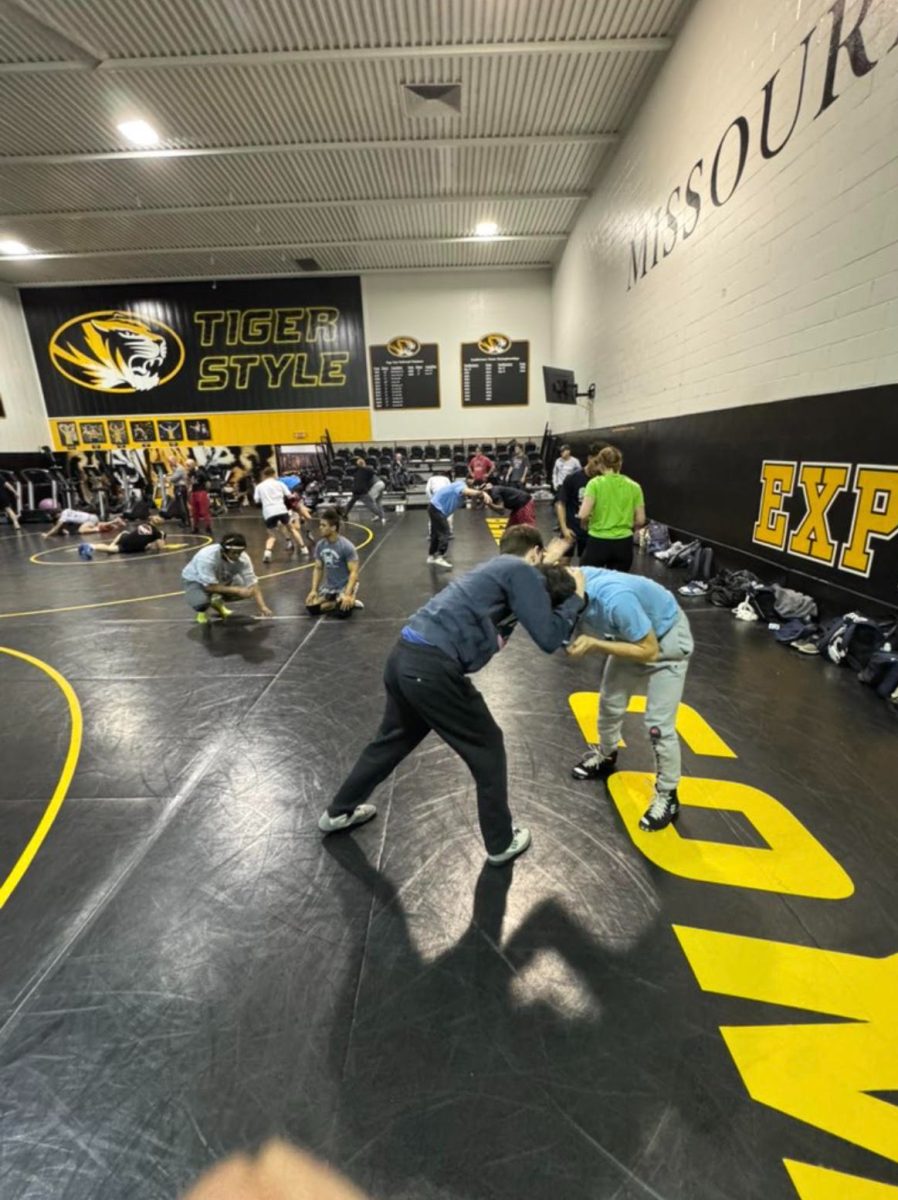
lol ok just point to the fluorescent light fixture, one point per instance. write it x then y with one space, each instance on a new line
11 246
141 133
486 229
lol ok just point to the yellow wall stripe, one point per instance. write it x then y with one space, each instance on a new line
35 842
270 427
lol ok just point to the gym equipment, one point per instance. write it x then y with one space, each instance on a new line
40 485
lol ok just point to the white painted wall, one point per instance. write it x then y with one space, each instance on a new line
25 424
451 307
791 287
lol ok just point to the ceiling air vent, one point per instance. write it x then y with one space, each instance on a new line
308 264
432 99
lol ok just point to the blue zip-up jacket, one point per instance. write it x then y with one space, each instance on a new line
474 616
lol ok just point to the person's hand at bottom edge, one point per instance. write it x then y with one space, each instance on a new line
278 1172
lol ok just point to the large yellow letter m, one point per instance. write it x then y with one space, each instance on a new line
824 1072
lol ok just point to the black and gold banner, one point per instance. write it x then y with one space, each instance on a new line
187 349
808 485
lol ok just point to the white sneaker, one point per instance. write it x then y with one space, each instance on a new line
304 550
266 557
519 842
443 562
358 816
431 558
357 604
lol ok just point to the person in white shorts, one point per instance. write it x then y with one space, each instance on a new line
74 520
273 495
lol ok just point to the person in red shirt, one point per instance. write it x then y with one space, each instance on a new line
480 467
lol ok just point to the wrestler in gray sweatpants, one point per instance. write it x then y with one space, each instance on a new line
663 681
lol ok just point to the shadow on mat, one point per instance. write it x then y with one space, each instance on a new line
239 636
459 1078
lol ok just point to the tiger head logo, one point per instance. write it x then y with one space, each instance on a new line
118 352
403 347
494 343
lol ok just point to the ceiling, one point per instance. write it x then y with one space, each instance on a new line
285 131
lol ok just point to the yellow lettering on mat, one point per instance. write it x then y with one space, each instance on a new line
691 725
821 1074
817 1183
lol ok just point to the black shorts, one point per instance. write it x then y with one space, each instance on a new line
614 553
71 527
279 519
134 543
582 539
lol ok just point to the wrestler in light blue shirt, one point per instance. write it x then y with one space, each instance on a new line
626 607
447 499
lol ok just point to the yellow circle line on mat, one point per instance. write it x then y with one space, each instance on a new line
14 878
42 612
36 558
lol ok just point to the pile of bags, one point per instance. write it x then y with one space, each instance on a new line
867 646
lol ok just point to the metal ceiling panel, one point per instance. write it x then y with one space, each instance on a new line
21 42
137 230
136 184
265 159
530 95
228 263
207 26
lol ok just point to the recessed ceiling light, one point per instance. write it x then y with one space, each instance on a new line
11 246
486 229
141 133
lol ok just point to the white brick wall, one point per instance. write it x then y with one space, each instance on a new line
791 287
25 426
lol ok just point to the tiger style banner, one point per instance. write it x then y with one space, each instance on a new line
178 351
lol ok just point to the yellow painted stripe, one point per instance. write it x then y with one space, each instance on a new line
12 880
496 526
691 725
177 548
41 612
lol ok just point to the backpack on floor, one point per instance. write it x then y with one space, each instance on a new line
881 672
763 600
852 639
657 537
728 588
683 556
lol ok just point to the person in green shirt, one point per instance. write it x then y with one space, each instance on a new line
613 509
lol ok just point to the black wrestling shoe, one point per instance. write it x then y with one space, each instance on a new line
663 811
595 765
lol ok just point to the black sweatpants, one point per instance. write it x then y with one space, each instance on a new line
439 532
427 691
614 553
